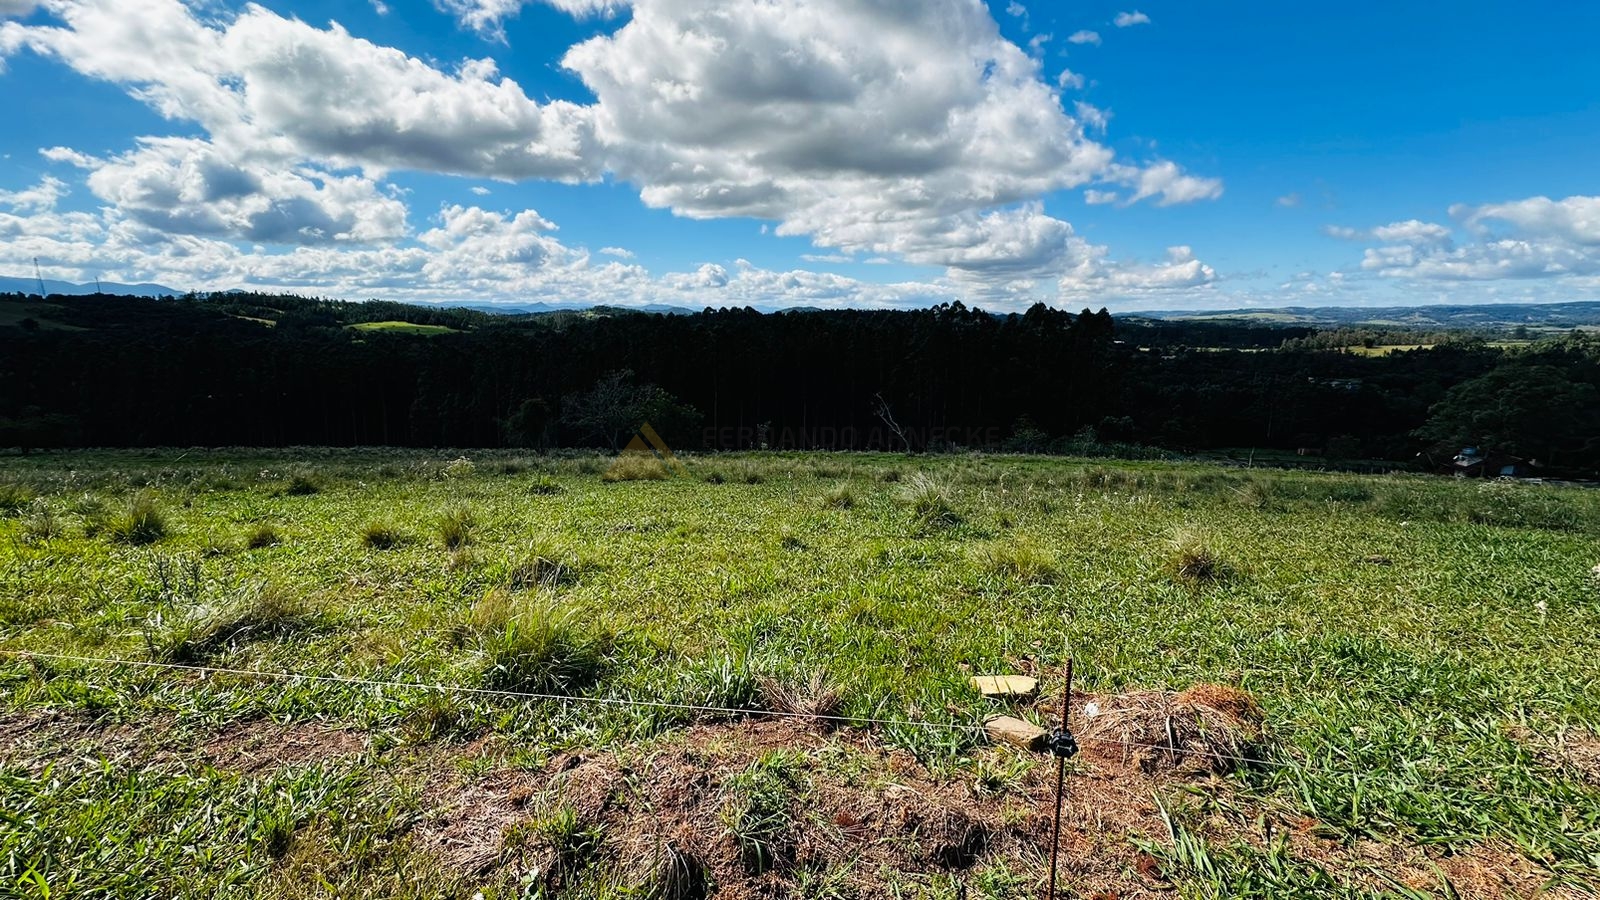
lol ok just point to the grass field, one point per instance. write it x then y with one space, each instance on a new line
404 328
1425 654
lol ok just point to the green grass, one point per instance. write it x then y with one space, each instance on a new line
404 328
1394 690
756 812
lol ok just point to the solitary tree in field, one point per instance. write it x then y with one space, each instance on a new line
616 406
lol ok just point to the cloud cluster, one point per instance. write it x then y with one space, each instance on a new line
909 129
1534 238
488 17
1179 272
187 186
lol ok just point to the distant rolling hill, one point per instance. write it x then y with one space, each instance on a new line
12 285
1574 314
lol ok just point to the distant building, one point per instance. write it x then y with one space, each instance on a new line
1473 462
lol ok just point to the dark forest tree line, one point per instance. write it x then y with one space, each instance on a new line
275 371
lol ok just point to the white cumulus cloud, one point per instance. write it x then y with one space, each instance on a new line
1169 185
488 17
187 186
1129 19
1179 271
41 197
1533 238
903 129
1575 220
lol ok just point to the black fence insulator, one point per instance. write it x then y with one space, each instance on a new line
1062 744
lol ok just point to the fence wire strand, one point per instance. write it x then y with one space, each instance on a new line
730 711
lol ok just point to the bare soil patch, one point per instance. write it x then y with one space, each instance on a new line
1575 752
869 815
866 809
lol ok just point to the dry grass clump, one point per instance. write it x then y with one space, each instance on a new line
545 564
1574 752
1208 728
635 467
454 527
930 502
1193 560
814 696
839 497
674 874
379 535
262 536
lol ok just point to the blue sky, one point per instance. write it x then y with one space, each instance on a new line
874 153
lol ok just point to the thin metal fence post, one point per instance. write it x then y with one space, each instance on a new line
1062 746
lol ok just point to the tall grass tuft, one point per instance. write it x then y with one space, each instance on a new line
261 537
544 485
930 502
545 564
635 467
14 498
674 874
140 521
839 497
258 612
543 649
41 523
379 535
1020 560
571 839
454 527
302 485
1193 561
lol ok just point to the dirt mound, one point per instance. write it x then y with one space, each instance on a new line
868 815
263 747
1206 728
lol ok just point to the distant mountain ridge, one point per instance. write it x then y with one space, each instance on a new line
1462 316
13 285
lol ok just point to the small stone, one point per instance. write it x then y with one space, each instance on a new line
1016 732
1005 685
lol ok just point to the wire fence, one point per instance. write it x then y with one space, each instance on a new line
1125 746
